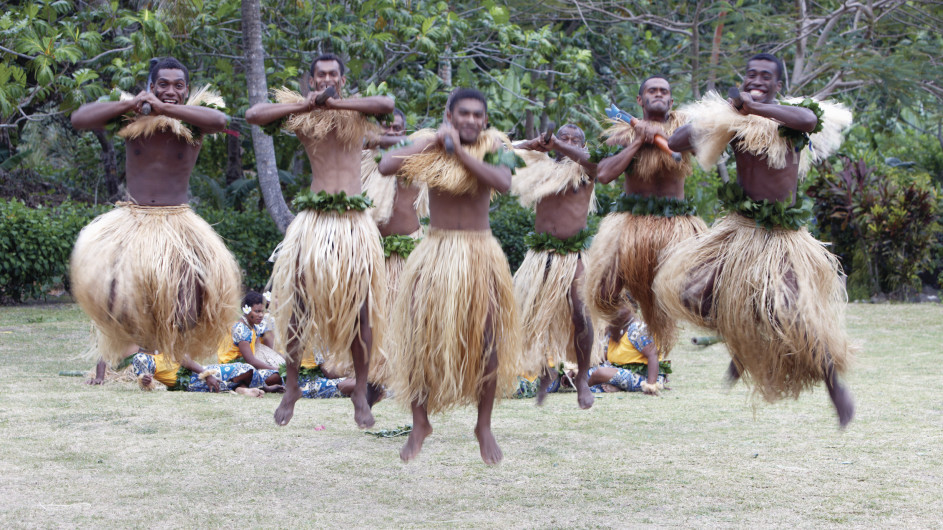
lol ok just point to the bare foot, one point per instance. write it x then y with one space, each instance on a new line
414 442
362 414
545 381
490 452
286 409
584 396
375 394
251 392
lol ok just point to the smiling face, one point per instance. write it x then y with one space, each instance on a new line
469 118
762 80
655 97
327 73
170 86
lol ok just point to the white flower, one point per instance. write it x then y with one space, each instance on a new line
267 295
246 309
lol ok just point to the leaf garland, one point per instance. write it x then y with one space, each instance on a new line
769 215
800 139
323 201
652 205
303 372
603 150
183 379
506 158
544 241
398 244
392 433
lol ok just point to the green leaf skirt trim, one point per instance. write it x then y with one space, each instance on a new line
664 367
398 244
546 242
338 202
767 214
659 206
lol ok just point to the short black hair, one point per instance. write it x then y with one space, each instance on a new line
401 114
780 69
167 63
252 298
656 76
573 126
327 57
466 93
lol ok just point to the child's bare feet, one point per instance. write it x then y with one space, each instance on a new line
286 409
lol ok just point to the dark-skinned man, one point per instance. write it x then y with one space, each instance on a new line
151 271
555 323
456 322
328 279
649 217
758 277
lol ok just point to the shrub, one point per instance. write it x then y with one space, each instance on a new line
251 236
884 221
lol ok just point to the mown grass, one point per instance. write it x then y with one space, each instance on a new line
74 455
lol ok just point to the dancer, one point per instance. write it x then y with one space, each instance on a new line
397 207
650 215
151 271
758 278
556 326
328 276
456 323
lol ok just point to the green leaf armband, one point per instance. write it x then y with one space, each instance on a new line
800 139
504 158
398 145
767 214
546 242
602 151
272 128
338 202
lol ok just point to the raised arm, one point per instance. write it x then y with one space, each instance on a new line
797 118
680 141
208 120
376 105
93 116
393 160
497 177
573 152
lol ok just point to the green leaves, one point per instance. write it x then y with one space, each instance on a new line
652 205
547 242
398 244
338 202
767 214
504 157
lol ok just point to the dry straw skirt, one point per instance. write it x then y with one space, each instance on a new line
453 281
328 266
542 287
158 277
628 250
776 296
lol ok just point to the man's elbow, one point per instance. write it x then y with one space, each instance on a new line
218 122
252 116
387 105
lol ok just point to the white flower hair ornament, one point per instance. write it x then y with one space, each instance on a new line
267 295
246 309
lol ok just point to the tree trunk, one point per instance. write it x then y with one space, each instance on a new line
109 163
233 157
262 144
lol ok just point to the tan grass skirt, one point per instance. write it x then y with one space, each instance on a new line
628 249
778 301
452 280
328 266
158 277
395 264
542 289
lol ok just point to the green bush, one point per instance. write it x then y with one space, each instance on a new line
882 223
35 244
510 222
251 236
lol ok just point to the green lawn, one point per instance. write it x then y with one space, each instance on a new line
74 455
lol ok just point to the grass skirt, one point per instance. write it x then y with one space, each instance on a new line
629 248
327 267
542 289
452 280
777 300
158 277
395 264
